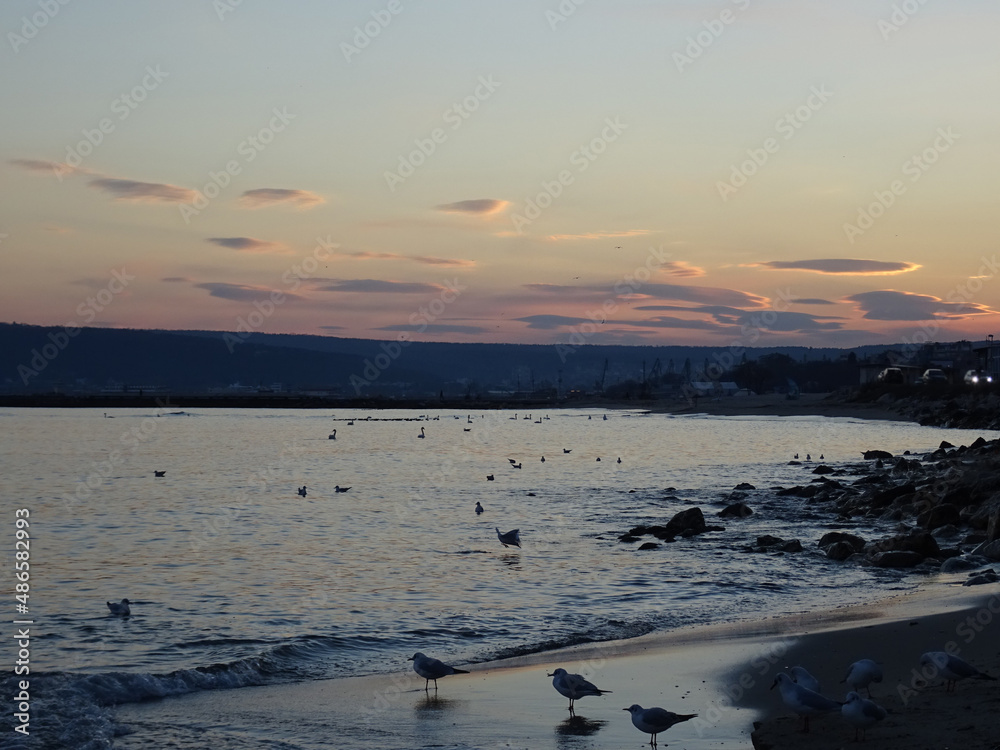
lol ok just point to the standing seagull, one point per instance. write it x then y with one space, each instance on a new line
861 713
432 669
803 701
862 673
802 677
120 610
573 686
654 720
952 668
510 538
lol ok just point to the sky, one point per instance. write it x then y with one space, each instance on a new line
726 172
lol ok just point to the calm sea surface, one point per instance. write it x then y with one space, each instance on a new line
236 580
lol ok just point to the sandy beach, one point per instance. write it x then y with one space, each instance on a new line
723 673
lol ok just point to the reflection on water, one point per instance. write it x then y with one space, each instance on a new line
433 702
579 726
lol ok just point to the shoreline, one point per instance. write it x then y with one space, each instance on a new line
721 672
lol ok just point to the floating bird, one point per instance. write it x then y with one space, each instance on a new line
802 701
351 422
302 491
796 455
808 457
573 686
820 456
605 417
432 669
479 508
543 459
862 673
567 450
861 713
489 477
466 429
159 473
333 435
515 466
121 609
338 488
598 458
512 460
802 677
654 720
619 459
421 433
510 538
952 668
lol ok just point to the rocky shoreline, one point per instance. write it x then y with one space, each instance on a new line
962 409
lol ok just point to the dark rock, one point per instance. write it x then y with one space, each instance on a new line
886 497
920 542
736 510
689 519
839 551
870 455
959 565
628 538
938 516
897 559
990 550
993 525
794 463
987 576
744 486
833 537
769 541
979 443
945 445
648 545
823 469
807 491
793 545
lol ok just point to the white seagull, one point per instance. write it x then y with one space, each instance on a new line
122 609
432 669
509 538
654 720
952 668
802 677
862 713
573 686
803 701
862 673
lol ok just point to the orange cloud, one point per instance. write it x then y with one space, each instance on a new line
479 206
598 235
845 266
143 192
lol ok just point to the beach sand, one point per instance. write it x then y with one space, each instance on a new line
721 672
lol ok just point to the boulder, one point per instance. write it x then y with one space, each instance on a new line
959 565
871 455
887 497
744 486
938 516
834 537
897 559
920 542
736 510
769 541
823 469
648 545
989 550
839 551
987 576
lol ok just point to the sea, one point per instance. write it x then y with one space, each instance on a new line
236 579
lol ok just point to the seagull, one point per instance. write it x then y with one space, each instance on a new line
654 720
512 461
479 508
489 477
510 538
121 609
573 686
432 669
421 433
333 435
619 459
862 713
952 668
796 455
862 673
338 488
802 677
515 466
802 701
302 491
808 457
543 459
159 473
567 450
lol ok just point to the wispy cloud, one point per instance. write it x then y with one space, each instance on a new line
265 197
241 292
143 192
551 322
598 235
479 206
435 328
43 166
250 245
425 259
681 269
379 286
846 266
176 279
889 304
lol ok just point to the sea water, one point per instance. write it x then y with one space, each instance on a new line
236 580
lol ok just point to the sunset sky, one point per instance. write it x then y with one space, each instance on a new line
662 172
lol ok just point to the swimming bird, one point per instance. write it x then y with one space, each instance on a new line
512 460
952 668
466 429
598 458
333 435
808 457
421 433
302 491
802 701
862 713
654 720
515 466
120 610
605 417
573 686
820 456
543 459
489 477
432 669
510 538
862 673
479 508
619 459
796 455
351 422
802 677
159 473
567 450
338 488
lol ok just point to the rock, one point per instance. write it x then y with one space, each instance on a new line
744 486
989 550
628 538
938 516
979 443
806 491
887 497
687 523
648 545
897 559
959 565
945 445
870 455
839 551
769 541
833 537
823 469
987 576
793 545
794 463
736 510
993 525
919 542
